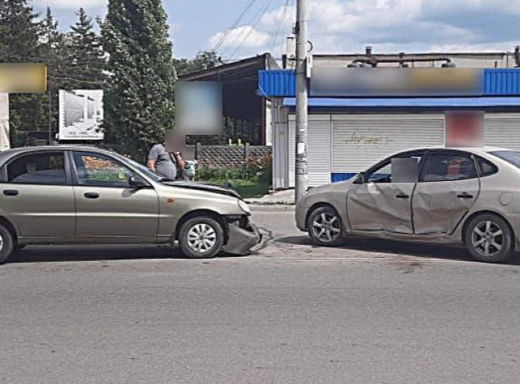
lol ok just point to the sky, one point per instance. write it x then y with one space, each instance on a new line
243 28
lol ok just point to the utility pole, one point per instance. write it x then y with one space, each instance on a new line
300 167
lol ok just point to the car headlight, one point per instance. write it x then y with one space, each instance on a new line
244 207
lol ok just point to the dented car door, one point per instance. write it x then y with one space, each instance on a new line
448 187
382 202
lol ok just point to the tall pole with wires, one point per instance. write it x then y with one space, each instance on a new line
301 99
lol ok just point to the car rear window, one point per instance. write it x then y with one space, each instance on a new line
512 157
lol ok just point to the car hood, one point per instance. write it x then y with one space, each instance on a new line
204 187
334 187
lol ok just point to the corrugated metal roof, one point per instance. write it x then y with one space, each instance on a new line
277 83
497 82
444 102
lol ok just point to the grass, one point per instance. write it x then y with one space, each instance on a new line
248 189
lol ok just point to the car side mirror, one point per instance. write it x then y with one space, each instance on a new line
137 182
360 178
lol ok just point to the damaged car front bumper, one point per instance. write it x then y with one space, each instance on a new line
243 235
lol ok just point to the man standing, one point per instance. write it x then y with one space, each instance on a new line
163 160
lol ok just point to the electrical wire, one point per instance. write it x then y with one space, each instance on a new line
253 26
232 26
282 23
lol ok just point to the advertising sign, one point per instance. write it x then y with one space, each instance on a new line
81 115
464 129
199 107
23 78
396 82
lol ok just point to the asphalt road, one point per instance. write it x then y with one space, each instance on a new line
364 313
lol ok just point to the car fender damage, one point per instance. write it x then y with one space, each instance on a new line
243 235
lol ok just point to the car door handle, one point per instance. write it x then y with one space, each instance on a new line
91 195
465 195
10 192
402 196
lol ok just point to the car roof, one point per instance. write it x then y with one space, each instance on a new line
475 150
9 153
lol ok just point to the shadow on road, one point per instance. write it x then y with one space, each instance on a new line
439 251
97 253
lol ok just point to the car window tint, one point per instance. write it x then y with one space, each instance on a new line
448 167
486 167
42 168
512 157
98 170
383 174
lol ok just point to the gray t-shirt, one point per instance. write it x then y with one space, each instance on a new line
164 162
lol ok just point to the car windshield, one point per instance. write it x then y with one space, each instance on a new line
512 157
143 169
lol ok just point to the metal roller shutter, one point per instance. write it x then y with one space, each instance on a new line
503 130
360 141
318 153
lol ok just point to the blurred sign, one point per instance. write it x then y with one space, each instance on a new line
81 115
199 107
396 82
464 129
23 78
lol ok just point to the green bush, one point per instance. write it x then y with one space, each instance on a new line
257 170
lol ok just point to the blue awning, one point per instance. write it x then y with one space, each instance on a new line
445 102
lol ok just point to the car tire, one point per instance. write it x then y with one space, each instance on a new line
198 248
489 239
6 244
325 227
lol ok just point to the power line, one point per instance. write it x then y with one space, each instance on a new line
253 26
233 25
282 23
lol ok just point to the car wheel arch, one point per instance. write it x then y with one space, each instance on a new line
316 206
468 220
10 227
202 213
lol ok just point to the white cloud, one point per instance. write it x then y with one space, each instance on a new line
244 37
71 4
337 26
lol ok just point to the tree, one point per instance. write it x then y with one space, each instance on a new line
55 50
203 60
86 53
19 43
139 101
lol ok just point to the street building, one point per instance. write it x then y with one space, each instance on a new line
363 108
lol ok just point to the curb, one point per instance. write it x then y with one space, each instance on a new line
271 207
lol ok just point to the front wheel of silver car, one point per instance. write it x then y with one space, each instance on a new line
201 238
489 239
6 244
325 227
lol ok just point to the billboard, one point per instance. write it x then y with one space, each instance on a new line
81 115
23 78
199 107
396 82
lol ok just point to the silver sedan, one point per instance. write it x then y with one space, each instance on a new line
467 196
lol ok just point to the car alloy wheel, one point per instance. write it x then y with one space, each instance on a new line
489 239
202 238
325 226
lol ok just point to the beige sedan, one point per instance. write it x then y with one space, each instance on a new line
84 195
436 195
